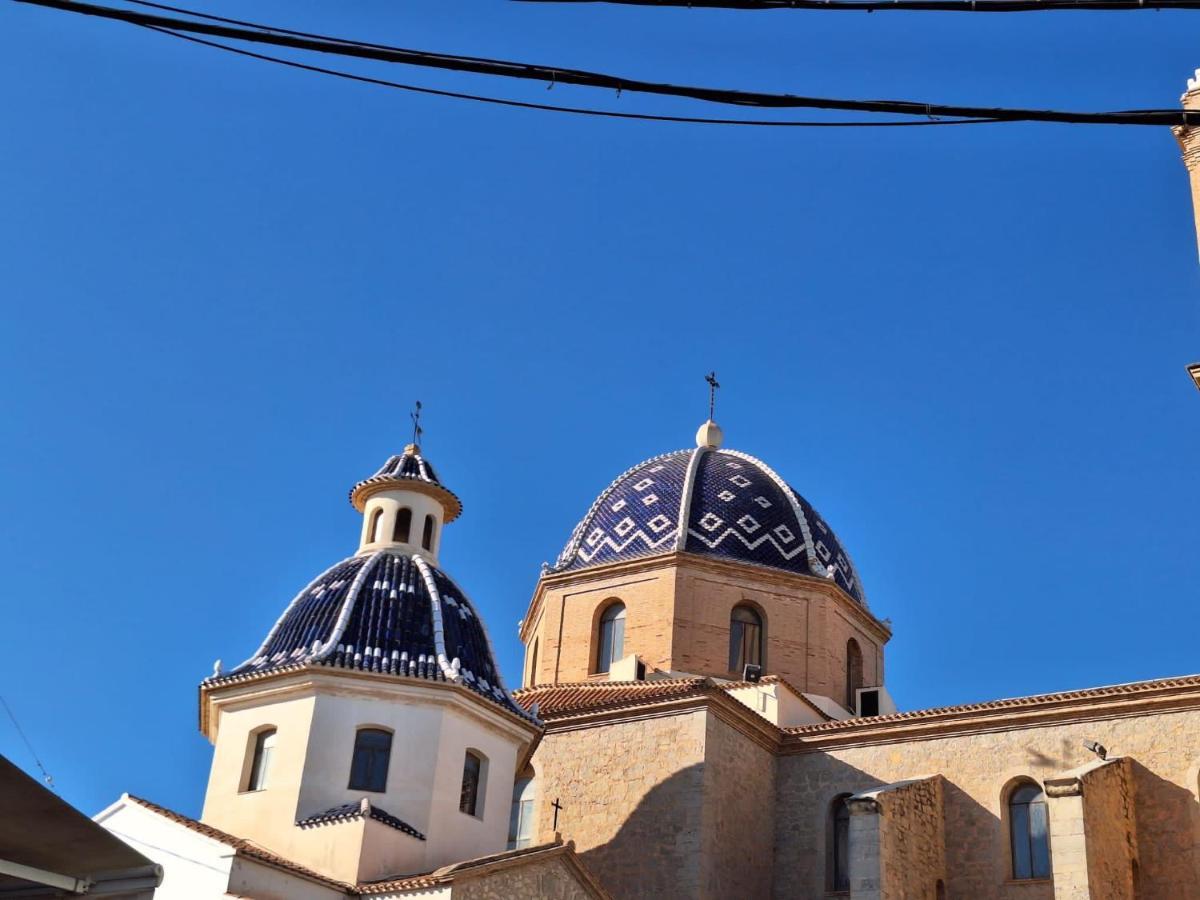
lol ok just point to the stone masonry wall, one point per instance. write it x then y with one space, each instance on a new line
738 815
1109 829
632 796
912 855
1165 750
549 880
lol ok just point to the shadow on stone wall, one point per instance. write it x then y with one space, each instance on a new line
1167 820
656 851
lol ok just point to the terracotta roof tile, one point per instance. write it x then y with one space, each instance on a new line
561 699
1049 701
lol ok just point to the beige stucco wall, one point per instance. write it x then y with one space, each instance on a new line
317 716
677 619
549 880
1164 748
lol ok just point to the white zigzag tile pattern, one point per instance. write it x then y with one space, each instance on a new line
739 509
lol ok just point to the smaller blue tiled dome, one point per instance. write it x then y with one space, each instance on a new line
412 470
712 502
384 612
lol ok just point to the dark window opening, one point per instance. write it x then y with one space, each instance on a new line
468 798
427 537
369 767
745 638
612 637
1029 829
403 525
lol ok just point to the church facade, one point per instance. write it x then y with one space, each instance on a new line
703 713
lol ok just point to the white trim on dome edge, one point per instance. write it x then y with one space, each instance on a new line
258 654
439 633
685 497
343 619
565 558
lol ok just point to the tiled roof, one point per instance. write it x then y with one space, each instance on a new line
410 466
349 811
241 845
562 699
736 508
384 612
1045 701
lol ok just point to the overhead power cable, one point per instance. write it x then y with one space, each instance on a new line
552 75
981 6
21 731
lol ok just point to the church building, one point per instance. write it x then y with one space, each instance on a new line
703 714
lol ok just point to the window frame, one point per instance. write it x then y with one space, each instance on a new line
855 675
359 733
474 808
1026 821
257 772
612 612
373 524
837 854
403 515
522 813
760 622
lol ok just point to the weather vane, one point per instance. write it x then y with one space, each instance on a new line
415 415
713 384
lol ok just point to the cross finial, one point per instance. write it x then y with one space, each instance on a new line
557 807
713 384
415 415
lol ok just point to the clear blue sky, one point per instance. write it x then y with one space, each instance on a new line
224 283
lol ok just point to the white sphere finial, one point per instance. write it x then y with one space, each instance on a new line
709 435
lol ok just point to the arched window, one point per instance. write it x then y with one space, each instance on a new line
611 646
260 762
854 673
474 776
520 821
533 663
369 766
427 536
839 844
745 638
1029 831
373 525
403 525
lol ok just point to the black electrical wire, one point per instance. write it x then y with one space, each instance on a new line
645 117
983 6
553 75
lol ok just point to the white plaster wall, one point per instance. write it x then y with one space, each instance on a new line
391 502
250 878
194 866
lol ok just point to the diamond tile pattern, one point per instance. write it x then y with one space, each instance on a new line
738 512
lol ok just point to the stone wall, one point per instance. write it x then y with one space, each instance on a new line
632 801
1093 832
738 814
977 767
912 850
551 879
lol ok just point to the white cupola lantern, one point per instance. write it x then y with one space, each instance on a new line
404 507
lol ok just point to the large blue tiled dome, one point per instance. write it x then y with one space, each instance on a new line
734 507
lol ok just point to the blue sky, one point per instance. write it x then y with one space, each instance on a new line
224 283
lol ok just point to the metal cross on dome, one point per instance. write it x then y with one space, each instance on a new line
415 415
713 384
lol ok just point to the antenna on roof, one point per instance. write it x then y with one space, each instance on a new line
415 415
713 384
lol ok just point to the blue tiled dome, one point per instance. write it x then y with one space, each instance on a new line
384 612
735 507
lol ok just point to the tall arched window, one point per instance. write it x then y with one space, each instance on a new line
403 525
369 766
745 638
427 536
520 821
854 673
533 663
373 525
611 646
260 762
1029 831
839 845
473 780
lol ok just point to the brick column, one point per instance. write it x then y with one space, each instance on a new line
1093 835
1189 142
